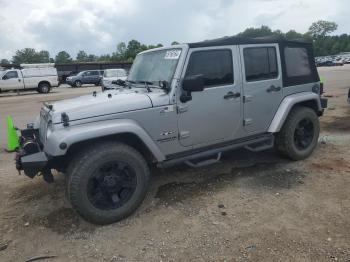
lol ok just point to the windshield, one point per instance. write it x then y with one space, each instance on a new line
110 73
155 66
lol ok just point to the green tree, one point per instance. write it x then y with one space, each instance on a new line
26 55
4 62
134 47
63 57
29 55
43 57
120 54
104 58
292 34
82 56
91 58
322 28
257 32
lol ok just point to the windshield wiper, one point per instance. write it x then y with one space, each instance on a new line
147 84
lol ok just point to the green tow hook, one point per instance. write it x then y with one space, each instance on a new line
12 136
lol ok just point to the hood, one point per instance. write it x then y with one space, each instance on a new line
87 106
113 78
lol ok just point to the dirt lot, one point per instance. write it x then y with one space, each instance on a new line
251 207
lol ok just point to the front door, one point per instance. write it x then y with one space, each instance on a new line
262 85
11 81
214 114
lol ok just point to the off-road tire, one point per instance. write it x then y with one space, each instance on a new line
84 165
78 83
44 88
285 143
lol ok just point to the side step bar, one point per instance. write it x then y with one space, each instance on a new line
204 162
255 145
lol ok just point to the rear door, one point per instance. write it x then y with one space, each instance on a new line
262 85
90 77
12 80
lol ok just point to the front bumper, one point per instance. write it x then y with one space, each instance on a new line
30 158
70 82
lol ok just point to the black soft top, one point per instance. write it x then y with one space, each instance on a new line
237 40
283 44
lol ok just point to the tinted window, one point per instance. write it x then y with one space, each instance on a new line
215 65
11 74
297 61
94 73
260 63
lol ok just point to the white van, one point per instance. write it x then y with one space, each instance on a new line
41 77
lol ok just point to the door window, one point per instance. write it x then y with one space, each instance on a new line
10 74
215 65
260 63
93 73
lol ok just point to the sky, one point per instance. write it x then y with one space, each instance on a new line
97 26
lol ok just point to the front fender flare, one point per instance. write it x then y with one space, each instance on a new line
287 104
79 133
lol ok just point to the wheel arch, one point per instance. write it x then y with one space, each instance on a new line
127 138
306 99
44 82
124 130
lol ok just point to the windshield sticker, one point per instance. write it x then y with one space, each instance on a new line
172 54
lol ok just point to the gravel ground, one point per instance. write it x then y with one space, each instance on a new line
250 207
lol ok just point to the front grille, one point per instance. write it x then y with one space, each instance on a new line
44 119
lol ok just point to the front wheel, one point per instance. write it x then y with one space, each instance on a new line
107 182
78 83
299 135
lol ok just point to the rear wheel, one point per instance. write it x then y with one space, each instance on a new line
107 182
299 135
44 88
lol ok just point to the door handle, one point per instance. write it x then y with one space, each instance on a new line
230 95
273 88
19 80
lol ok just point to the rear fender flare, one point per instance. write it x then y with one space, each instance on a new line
286 106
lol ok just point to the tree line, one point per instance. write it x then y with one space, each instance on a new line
319 32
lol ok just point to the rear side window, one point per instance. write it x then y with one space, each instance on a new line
297 61
215 65
260 63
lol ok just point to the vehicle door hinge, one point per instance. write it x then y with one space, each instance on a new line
182 109
184 134
247 121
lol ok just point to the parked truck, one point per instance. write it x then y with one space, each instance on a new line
40 77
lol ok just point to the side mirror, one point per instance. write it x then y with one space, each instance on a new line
193 83
5 77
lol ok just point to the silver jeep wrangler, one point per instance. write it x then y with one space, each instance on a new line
182 104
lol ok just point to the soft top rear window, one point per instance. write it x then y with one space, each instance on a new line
298 64
297 61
